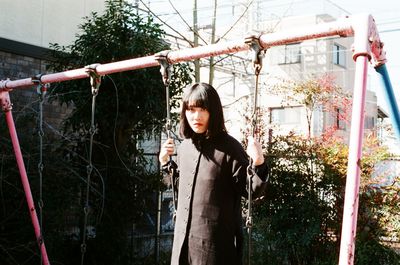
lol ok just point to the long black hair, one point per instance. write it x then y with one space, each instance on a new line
204 96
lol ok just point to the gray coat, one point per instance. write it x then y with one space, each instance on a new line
212 179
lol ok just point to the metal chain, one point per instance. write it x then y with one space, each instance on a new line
41 90
166 73
255 46
95 81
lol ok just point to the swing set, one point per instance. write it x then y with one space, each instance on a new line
367 48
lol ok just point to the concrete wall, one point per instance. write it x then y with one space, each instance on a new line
41 22
26 30
16 66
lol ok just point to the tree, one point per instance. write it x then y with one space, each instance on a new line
296 221
315 92
130 108
299 220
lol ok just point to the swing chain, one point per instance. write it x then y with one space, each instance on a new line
95 81
255 46
258 55
41 90
166 73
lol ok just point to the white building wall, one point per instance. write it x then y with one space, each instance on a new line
316 60
41 22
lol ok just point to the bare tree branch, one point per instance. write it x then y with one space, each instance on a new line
187 24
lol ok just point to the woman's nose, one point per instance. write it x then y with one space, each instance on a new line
197 114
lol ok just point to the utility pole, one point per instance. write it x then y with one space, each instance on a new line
196 42
212 68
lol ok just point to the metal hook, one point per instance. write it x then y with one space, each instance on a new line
41 88
258 52
166 69
166 72
95 78
258 55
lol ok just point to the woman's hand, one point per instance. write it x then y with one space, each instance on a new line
167 149
254 151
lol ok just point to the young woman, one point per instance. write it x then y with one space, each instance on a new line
212 168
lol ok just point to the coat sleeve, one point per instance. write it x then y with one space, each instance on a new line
241 176
259 180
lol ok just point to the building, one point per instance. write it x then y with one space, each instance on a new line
234 74
25 37
292 62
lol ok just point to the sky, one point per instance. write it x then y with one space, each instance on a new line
386 14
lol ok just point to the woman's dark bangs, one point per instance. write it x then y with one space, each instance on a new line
197 98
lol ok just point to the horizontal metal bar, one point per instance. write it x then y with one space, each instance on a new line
338 28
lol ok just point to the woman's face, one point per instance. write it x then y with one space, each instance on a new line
197 118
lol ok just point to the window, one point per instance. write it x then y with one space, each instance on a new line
290 54
289 115
340 120
369 122
339 55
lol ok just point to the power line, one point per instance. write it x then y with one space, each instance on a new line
388 22
184 21
165 23
234 24
389 30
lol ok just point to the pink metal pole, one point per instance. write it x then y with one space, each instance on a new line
366 42
6 106
350 211
341 28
